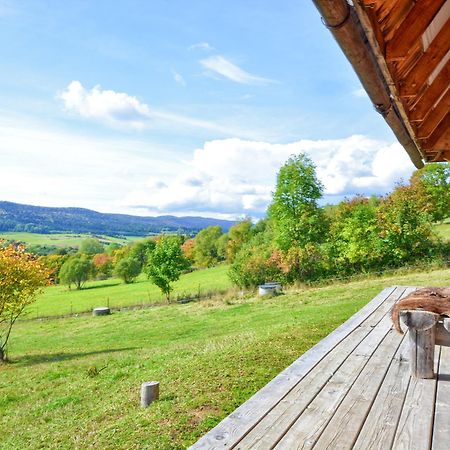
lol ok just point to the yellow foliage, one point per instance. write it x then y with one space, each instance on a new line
21 278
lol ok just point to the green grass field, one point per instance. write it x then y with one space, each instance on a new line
59 300
62 239
443 229
209 357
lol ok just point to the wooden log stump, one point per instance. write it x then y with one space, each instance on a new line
149 393
422 339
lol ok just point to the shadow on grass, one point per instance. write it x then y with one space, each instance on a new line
30 360
96 286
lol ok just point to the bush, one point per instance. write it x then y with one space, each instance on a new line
76 270
127 269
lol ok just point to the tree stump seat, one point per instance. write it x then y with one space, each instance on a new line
426 330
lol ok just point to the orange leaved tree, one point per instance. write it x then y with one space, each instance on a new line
21 278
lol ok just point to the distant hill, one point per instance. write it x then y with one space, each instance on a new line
39 219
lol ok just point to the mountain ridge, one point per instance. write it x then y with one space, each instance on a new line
16 217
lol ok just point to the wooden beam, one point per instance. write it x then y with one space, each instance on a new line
412 84
412 27
443 127
430 96
434 118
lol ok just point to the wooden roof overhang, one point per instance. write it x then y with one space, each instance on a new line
400 50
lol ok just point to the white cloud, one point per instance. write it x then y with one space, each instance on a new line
222 66
50 167
123 110
235 177
205 46
105 105
179 78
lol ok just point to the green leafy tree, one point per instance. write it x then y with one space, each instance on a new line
405 225
21 278
206 246
91 246
435 178
166 263
354 236
296 216
141 249
238 235
127 269
76 270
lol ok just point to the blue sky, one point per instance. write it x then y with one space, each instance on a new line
183 107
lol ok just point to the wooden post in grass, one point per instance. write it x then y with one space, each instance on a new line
149 393
422 339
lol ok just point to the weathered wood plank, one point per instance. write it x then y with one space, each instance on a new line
441 428
412 27
379 428
280 418
343 429
305 431
416 421
236 425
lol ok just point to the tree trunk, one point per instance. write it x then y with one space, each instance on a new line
2 355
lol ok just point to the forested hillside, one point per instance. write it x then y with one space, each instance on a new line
37 219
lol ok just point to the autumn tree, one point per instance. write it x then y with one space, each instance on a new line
103 265
166 263
21 279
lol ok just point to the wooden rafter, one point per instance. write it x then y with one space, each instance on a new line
441 130
415 80
430 96
400 50
435 117
412 28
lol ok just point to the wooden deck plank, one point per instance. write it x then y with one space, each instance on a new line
303 434
441 428
343 429
416 420
379 428
271 428
233 428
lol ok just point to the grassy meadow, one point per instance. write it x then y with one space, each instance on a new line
62 239
443 229
73 383
59 300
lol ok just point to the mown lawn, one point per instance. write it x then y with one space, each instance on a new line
61 239
209 357
59 300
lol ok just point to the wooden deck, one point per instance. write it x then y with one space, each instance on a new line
352 390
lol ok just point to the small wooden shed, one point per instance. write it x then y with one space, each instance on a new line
400 50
